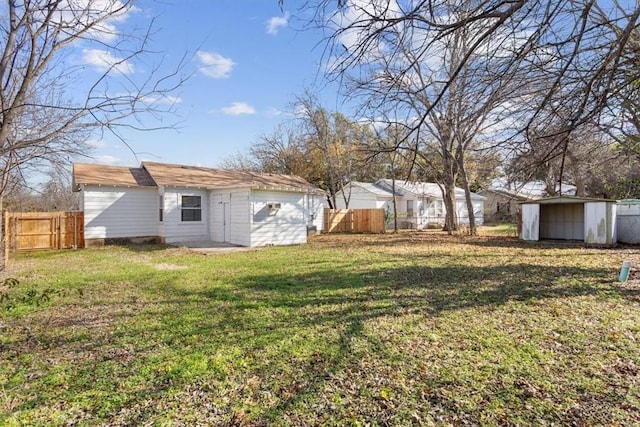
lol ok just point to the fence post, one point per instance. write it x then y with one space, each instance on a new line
60 243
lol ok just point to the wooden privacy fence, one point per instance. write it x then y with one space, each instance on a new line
354 220
28 231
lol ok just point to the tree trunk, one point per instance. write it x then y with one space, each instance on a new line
451 217
467 193
330 202
450 174
395 206
3 246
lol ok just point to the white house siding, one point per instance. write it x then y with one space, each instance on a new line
120 212
177 230
433 211
361 199
285 226
530 222
478 211
599 223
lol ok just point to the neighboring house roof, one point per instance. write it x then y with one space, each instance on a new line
505 193
419 189
422 189
172 175
529 190
85 173
372 188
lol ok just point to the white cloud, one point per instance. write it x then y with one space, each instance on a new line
275 23
96 143
162 99
352 19
238 109
214 65
101 15
108 160
104 61
274 112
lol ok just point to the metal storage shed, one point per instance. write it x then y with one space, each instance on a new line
628 221
569 218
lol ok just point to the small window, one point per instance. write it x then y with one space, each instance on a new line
191 208
504 207
409 207
161 217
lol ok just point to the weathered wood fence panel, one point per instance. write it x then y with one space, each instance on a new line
354 220
29 231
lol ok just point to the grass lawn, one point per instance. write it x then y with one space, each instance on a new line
407 329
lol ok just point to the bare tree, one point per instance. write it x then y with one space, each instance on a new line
283 151
49 105
447 124
574 53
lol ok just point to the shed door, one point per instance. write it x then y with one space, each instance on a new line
530 222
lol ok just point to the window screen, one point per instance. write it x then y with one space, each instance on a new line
191 208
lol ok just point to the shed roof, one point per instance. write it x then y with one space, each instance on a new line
86 173
564 200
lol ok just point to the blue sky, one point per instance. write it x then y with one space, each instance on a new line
249 61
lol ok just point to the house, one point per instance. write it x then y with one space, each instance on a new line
418 204
501 205
364 195
503 198
569 218
175 203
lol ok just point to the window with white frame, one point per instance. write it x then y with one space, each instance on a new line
435 209
161 214
439 206
191 210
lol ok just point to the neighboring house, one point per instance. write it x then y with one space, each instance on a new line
363 195
570 218
418 204
175 203
503 198
501 204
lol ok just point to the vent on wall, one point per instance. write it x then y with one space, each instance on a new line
273 207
